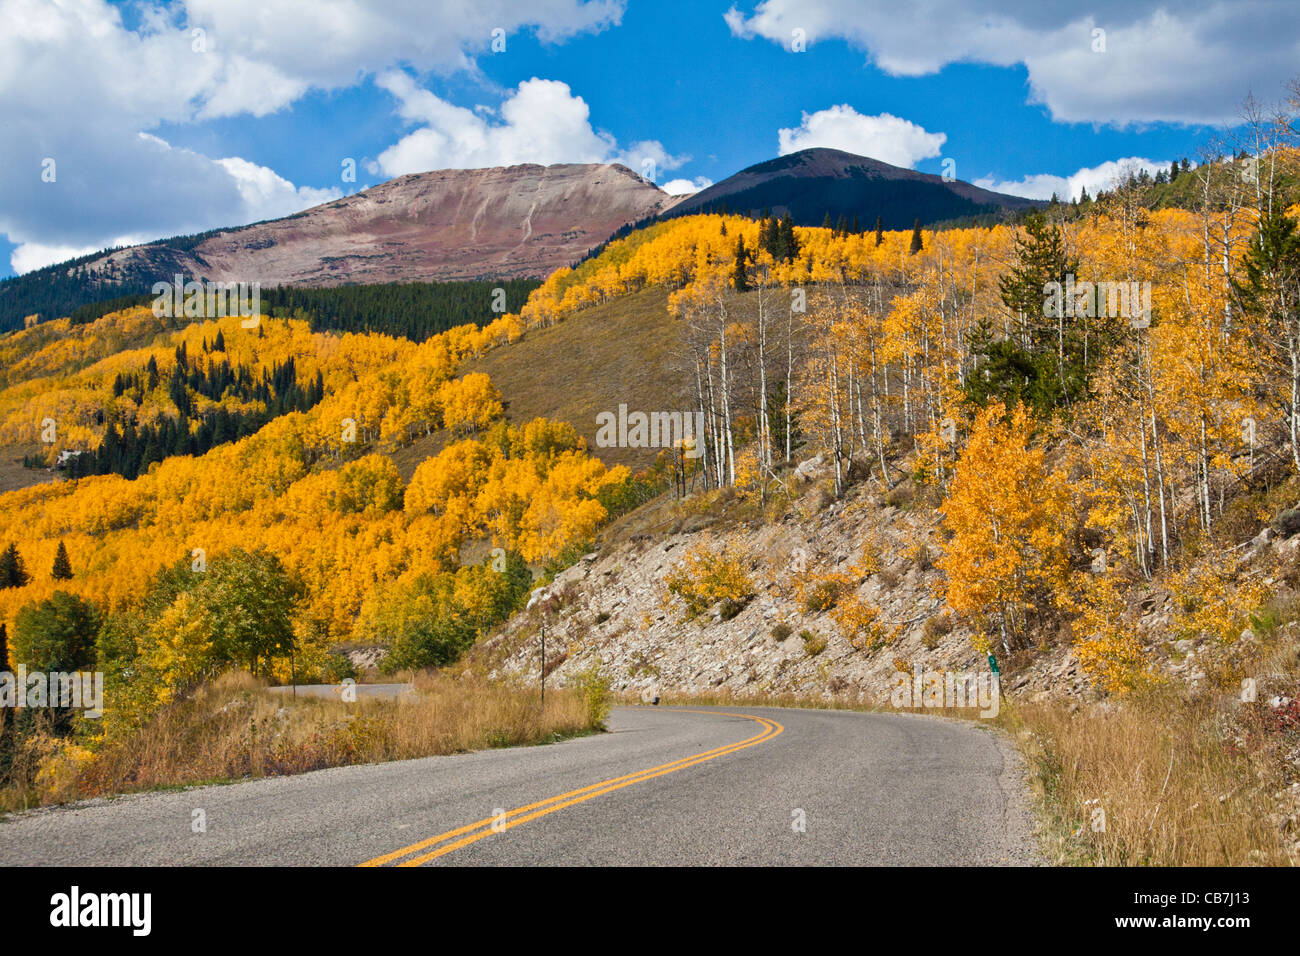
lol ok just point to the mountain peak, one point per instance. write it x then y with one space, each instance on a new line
811 183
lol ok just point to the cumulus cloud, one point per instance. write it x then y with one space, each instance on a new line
1100 61
78 87
1093 178
36 255
268 194
684 187
886 137
541 122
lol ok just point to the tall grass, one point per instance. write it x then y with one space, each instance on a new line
1163 780
234 729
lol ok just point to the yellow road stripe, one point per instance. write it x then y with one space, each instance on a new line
676 764
542 807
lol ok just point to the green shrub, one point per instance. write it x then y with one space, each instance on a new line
596 697
813 644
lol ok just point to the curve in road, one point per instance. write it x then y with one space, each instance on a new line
702 786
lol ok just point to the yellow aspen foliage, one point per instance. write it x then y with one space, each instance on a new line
178 648
1006 560
1110 648
449 482
1214 600
859 623
469 403
710 573
369 485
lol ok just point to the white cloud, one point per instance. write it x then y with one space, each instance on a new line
267 195
273 50
684 187
35 255
886 137
541 122
78 87
1093 178
1192 63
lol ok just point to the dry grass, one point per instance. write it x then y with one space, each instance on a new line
14 476
826 701
624 351
1183 778
1154 782
234 730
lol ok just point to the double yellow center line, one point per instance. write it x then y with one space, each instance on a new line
452 840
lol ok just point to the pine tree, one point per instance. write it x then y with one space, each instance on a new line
880 231
4 648
1048 358
1269 293
738 277
62 570
12 572
917 244
787 243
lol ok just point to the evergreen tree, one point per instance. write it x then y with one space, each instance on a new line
917 244
57 634
1268 292
739 279
785 245
12 572
1271 268
62 570
1043 365
880 230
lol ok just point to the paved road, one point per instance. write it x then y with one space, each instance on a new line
666 786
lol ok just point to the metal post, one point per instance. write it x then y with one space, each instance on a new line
543 664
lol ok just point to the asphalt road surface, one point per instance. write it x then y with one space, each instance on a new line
667 786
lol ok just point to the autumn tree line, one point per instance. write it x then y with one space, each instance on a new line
268 551
1087 395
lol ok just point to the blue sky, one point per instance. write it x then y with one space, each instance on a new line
156 129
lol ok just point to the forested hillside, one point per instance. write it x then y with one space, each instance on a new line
1094 402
